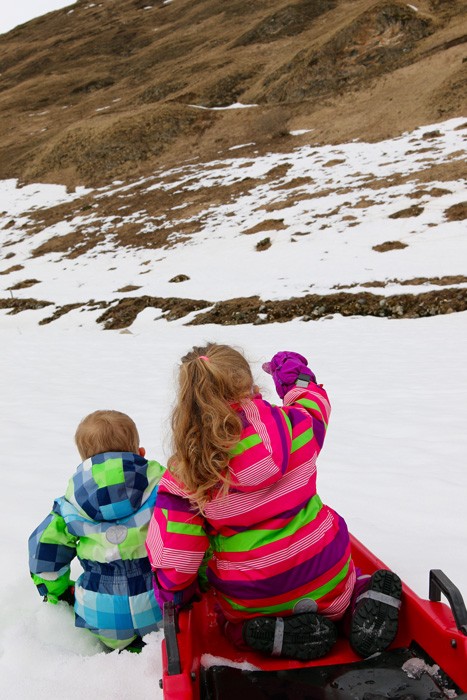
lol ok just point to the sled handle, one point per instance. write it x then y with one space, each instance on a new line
440 583
174 666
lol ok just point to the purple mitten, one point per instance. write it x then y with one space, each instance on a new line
284 368
179 598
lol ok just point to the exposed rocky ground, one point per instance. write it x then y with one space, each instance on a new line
113 97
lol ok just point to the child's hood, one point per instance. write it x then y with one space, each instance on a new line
113 485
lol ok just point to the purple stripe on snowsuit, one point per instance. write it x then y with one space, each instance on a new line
244 419
181 597
160 576
173 502
319 431
292 512
307 571
281 429
296 417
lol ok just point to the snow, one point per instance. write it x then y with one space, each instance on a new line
14 199
414 668
208 660
394 461
234 105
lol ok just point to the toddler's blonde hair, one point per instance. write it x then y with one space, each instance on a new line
204 425
106 431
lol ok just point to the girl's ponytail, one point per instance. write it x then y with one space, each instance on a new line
205 427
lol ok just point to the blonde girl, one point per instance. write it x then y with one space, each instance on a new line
242 482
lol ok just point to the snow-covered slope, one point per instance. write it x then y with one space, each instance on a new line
389 216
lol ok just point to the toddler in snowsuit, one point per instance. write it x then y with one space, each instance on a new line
242 480
103 520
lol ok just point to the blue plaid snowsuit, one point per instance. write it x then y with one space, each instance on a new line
103 519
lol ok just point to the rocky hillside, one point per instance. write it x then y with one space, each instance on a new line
116 88
234 162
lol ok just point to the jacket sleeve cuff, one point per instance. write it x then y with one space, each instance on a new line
178 598
52 589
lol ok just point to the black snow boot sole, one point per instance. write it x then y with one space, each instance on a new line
375 619
136 646
302 637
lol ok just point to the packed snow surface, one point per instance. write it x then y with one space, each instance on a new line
393 463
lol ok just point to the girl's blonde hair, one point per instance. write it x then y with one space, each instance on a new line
204 425
106 431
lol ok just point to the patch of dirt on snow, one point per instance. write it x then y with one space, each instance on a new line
263 244
13 268
312 307
59 312
389 245
128 288
267 225
447 280
23 285
18 305
433 192
458 212
124 312
414 210
73 244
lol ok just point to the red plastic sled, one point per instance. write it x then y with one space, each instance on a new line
427 660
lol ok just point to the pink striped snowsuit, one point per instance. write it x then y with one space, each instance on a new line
277 549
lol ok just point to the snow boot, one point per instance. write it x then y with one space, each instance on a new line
136 646
375 616
303 637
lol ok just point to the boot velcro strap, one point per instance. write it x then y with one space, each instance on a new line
278 637
303 380
380 597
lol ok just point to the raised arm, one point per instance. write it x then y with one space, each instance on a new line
296 384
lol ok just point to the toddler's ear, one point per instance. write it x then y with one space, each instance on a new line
141 452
